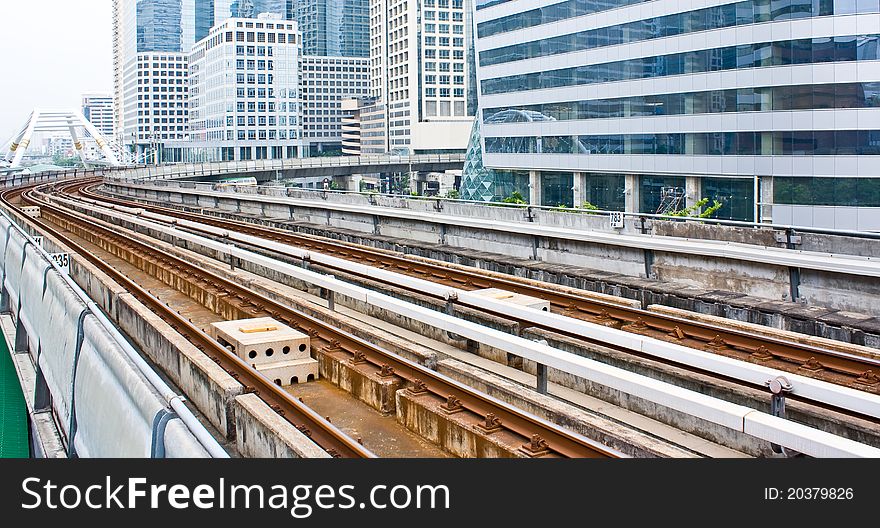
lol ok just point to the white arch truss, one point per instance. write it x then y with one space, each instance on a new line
58 121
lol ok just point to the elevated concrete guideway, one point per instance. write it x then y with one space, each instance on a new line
849 264
751 271
269 170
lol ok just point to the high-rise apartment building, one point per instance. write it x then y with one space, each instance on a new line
422 73
769 107
326 82
152 40
98 109
244 101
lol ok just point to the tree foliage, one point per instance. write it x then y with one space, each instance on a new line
64 161
697 211
515 198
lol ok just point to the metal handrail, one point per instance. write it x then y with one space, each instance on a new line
174 400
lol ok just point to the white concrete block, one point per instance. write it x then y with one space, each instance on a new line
264 342
514 298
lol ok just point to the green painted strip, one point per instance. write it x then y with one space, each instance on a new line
13 411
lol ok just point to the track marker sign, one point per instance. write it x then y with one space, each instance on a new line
62 260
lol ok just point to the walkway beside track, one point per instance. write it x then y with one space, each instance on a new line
13 411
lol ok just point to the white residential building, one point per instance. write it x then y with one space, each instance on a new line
98 109
422 73
244 92
150 41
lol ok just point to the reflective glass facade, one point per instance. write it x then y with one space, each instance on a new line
488 185
483 4
736 195
204 18
334 27
762 99
253 8
779 143
858 192
661 193
159 25
605 191
546 14
716 17
556 188
778 53
640 101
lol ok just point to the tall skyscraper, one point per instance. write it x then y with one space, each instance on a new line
150 45
422 74
772 110
159 25
98 109
326 82
204 18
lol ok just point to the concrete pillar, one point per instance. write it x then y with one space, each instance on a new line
535 188
693 190
631 188
766 199
578 188
354 182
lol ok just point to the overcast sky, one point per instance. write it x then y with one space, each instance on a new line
53 51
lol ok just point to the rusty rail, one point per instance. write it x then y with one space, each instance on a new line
860 372
538 437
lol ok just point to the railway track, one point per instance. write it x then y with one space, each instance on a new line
853 370
536 436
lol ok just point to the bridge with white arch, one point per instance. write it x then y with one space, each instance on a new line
72 122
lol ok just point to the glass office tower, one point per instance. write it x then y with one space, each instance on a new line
252 8
334 27
159 25
204 18
770 106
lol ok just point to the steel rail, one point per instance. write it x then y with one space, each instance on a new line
798 437
324 434
560 442
835 263
810 360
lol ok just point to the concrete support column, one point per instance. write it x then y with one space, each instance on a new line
766 199
535 194
693 190
578 188
354 182
631 188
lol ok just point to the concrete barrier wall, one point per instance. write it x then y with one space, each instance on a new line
765 281
103 402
